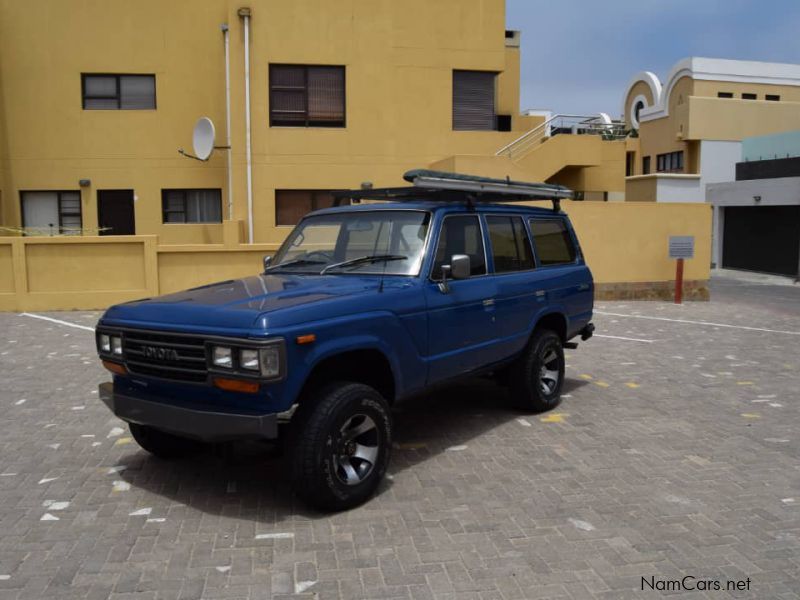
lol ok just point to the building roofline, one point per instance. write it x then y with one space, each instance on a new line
711 69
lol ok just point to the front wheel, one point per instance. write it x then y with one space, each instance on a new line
340 446
161 444
538 375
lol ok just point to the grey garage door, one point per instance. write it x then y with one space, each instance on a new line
762 238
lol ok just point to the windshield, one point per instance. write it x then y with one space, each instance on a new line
376 242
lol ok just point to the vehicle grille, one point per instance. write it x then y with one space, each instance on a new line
163 355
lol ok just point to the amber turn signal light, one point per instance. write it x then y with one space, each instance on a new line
308 338
115 367
236 385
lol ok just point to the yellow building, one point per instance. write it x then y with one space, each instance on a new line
690 126
98 96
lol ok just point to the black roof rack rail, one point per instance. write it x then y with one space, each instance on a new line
455 187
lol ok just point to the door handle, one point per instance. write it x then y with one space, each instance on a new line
540 293
488 302
583 287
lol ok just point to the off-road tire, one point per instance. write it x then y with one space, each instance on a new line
320 450
531 384
161 444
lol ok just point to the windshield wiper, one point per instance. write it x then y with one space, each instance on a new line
362 260
294 263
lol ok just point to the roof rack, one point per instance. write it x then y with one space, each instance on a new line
455 187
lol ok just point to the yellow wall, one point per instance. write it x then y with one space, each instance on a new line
399 58
623 243
628 242
183 267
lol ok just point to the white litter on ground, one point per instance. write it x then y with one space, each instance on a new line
524 422
47 480
275 536
116 431
156 520
78 407
142 512
224 569
582 525
21 401
457 448
54 505
121 486
54 446
49 517
302 586
116 469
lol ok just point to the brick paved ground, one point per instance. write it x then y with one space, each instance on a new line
671 458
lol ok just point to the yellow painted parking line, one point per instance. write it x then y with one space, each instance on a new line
751 416
554 418
587 377
411 446
744 383
123 441
632 385
602 384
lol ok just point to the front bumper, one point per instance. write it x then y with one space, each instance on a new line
204 425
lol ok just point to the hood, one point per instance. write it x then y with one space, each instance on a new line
235 305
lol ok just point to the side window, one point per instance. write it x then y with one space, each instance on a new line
460 235
552 240
511 249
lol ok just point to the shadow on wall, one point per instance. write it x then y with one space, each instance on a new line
253 484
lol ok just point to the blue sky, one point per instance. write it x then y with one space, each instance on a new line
578 55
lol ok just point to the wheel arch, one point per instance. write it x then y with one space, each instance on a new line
369 366
555 321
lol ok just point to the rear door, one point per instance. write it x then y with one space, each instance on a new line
461 322
518 293
561 272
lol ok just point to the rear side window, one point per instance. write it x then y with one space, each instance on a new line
460 235
511 250
552 240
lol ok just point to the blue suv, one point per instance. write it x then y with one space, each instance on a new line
362 306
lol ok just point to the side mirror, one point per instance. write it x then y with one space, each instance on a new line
267 262
459 268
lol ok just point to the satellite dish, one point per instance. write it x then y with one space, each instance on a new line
203 138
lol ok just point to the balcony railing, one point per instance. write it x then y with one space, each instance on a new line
600 125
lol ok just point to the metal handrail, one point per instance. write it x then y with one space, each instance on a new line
576 124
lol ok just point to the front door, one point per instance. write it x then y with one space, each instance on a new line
115 214
461 323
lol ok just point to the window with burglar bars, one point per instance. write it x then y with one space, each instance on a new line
192 206
51 212
672 162
293 205
306 96
474 101
118 92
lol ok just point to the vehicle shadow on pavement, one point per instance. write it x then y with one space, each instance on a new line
250 480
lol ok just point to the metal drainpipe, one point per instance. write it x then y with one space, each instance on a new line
226 34
245 14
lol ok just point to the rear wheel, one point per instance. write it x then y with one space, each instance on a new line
538 375
162 444
340 446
